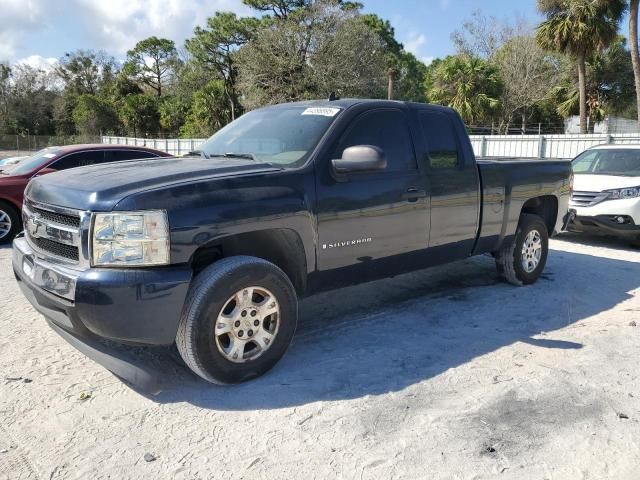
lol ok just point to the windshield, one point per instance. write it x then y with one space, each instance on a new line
28 164
618 162
283 136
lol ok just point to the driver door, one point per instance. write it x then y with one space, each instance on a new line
378 215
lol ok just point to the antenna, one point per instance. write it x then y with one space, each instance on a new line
333 96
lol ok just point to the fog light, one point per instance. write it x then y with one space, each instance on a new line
620 220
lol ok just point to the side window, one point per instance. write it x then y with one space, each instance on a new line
118 155
80 159
440 138
386 129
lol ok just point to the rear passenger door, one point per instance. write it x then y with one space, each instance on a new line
454 180
373 215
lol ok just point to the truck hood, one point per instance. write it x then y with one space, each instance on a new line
101 187
598 183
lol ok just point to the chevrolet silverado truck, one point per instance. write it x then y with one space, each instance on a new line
212 251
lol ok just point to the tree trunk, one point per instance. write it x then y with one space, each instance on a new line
524 122
392 79
582 81
633 42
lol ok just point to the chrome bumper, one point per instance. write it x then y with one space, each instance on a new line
51 277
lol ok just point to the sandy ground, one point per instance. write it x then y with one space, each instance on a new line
444 373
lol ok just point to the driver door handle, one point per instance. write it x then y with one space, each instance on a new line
413 194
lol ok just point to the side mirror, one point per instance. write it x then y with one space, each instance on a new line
359 159
44 171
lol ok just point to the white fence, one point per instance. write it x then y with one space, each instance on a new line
174 146
524 146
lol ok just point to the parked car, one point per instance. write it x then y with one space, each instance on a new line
213 251
606 196
13 181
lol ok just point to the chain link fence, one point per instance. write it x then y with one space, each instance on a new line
25 142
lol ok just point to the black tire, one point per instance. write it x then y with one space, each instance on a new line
8 210
208 294
509 259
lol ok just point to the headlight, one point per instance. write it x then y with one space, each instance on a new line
130 239
621 193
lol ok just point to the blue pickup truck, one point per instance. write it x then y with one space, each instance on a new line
212 251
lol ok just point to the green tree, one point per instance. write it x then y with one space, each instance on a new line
173 113
93 115
86 71
528 75
139 114
152 62
579 28
279 8
209 112
467 84
308 55
214 47
405 72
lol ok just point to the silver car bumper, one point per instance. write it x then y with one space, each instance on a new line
50 277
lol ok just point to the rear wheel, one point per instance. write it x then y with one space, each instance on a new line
239 318
10 223
522 260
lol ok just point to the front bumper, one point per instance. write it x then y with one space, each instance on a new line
134 306
604 224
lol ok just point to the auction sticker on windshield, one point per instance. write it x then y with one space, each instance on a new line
324 111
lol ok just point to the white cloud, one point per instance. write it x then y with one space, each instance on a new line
17 18
415 42
111 25
118 25
39 62
427 60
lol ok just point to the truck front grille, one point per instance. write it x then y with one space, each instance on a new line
587 199
59 218
58 249
53 231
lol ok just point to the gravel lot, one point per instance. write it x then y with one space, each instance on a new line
444 373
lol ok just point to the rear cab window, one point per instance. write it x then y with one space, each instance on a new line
441 140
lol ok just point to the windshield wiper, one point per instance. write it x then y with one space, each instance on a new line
248 156
197 153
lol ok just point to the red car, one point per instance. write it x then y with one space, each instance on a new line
14 179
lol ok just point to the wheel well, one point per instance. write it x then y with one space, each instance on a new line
281 247
546 207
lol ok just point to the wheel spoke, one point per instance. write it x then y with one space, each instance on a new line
223 324
263 338
268 307
246 296
236 349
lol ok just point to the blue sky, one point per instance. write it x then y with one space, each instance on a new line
43 30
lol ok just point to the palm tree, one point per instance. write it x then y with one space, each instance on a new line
635 56
469 85
579 28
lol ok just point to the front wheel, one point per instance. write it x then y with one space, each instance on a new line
238 320
10 223
522 260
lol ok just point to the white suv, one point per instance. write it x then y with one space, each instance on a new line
606 191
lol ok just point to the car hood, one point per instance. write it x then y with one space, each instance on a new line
101 187
598 183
